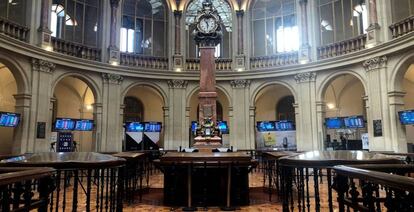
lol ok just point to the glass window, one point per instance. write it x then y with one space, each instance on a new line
341 19
401 9
274 27
144 27
12 10
75 21
224 11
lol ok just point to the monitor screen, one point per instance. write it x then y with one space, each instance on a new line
354 122
194 125
334 123
84 125
264 126
223 127
406 117
284 125
9 119
134 127
64 124
152 127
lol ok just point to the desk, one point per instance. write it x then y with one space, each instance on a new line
208 177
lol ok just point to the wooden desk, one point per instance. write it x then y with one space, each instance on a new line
207 175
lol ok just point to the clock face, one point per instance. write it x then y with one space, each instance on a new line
207 25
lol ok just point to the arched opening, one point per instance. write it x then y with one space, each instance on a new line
144 104
408 88
75 99
8 88
275 104
344 97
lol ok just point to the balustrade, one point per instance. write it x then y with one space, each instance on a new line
13 30
281 59
76 50
141 61
342 47
402 27
222 64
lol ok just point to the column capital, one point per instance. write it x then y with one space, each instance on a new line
112 78
305 77
43 65
177 83
375 63
178 13
240 83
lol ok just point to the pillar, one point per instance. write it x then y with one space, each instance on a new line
240 57
178 57
373 30
321 114
398 132
97 135
304 49
114 54
178 126
21 133
45 35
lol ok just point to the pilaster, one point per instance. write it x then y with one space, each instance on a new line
304 49
45 34
374 29
178 57
21 136
397 131
177 135
113 49
240 62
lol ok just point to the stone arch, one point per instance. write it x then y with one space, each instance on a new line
257 91
18 73
153 86
400 68
218 87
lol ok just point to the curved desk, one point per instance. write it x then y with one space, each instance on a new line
300 168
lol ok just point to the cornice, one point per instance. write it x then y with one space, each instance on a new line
177 83
43 65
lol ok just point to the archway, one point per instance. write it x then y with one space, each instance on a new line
75 99
343 96
147 104
408 88
8 88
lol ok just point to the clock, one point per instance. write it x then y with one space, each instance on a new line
207 25
208 29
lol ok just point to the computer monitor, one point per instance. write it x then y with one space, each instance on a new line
334 123
284 125
134 127
406 117
84 125
9 119
64 124
194 125
354 122
223 127
152 127
265 126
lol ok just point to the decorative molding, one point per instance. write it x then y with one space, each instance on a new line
240 83
375 63
112 78
177 83
43 65
178 13
305 77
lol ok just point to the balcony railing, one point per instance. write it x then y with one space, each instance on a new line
281 59
222 64
402 27
76 50
13 30
342 47
141 61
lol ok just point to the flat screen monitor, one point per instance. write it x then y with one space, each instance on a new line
194 125
334 123
64 124
223 127
9 119
84 125
284 125
152 127
406 117
134 127
354 122
265 126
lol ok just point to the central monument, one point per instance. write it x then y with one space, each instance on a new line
207 35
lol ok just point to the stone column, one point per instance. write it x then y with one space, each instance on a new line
307 122
373 30
21 133
111 134
97 136
240 58
177 123
178 58
241 130
320 113
398 132
166 128
45 35
114 54
304 51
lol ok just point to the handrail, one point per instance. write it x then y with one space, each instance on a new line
14 30
342 47
222 64
281 59
143 61
75 49
10 175
402 27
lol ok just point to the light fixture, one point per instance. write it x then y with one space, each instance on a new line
89 107
330 106
239 69
114 63
48 48
178 70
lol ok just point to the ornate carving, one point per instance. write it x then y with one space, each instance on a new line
112 78
177 83
240 83
305 77
43 65
375 63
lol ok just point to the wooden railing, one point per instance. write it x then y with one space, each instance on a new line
282 59
13 30
25 189
342 47
76 50
137 60
222 64
402 27
385 189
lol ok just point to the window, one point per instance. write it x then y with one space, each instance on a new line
285 109
144 27
274 27
224 11
341 19
401 9
12 10
134 110
75 21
